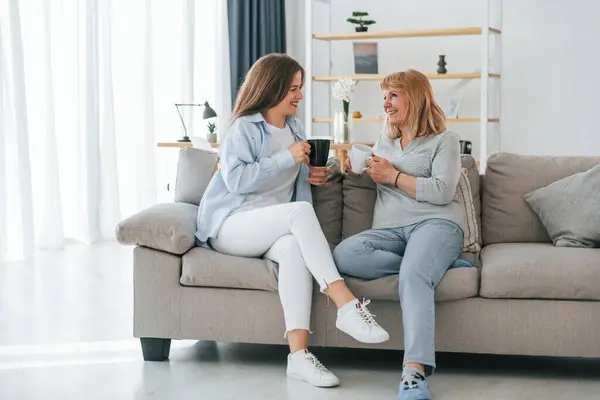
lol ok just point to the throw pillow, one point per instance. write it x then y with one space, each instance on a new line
569 209
465 197
328 204
169 227
359 195
194 171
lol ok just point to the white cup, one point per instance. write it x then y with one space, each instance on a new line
359 156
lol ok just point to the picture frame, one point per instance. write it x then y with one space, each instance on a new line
452 106
365 58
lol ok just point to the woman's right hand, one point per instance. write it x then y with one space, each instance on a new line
300 152
348 168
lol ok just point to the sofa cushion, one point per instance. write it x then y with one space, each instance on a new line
329 204
472 170
169 227
505 215
195 168
360 194
540 271
570 209
208 268
458 283
471 238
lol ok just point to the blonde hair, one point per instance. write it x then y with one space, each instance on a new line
266 84
424 116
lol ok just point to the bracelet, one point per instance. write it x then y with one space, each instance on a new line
396 181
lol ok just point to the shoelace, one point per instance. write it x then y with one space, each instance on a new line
316 363
365 314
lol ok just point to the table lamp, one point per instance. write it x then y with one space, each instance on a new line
208 113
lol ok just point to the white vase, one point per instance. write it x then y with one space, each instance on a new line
342 127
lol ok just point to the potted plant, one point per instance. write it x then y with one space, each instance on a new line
357 18
212 134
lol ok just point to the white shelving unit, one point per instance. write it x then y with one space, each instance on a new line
485 31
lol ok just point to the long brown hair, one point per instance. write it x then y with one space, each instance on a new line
266 84
425 116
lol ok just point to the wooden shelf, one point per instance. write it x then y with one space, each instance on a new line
348 146
476 35
403 34
458 120
366 120
379 77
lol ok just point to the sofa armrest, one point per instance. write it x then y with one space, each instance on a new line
169 227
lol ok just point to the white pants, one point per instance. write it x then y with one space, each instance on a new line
290 235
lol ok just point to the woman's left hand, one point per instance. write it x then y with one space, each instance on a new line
381 170
318 176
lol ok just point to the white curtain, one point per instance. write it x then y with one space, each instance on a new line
87 88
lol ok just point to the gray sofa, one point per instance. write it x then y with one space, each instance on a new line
526 297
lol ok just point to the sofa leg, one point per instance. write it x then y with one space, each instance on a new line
155 349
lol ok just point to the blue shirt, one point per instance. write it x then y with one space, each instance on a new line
247 163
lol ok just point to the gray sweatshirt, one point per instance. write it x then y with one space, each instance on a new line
435 161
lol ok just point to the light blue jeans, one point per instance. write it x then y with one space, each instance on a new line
421 254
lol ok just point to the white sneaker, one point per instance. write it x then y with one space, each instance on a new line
305 366
357 321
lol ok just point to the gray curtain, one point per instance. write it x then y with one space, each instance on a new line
256 28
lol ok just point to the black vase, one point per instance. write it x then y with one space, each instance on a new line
361 28
442 65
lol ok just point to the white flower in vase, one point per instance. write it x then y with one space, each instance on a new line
342 90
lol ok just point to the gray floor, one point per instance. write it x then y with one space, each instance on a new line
65 333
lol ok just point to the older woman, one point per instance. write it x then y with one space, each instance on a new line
417 218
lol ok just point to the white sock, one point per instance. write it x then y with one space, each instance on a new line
348 306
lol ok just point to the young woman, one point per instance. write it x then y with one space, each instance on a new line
259 204
417 224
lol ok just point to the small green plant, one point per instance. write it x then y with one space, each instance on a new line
212 127
357 19
212 135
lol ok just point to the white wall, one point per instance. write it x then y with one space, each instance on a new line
546 95
549 77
